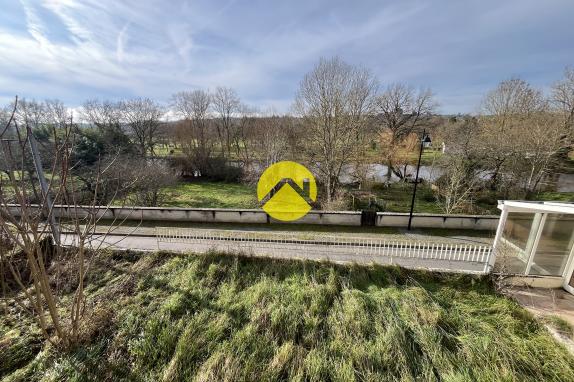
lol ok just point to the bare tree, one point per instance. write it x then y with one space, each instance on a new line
563 99
31 113
106 117
194 133
334 100
512 98
34 116
397 155
462 136
402 111
57 113
515 142
142 117
246 136
102 114
24 225
507 107
226 104
150 180
538 153
26 232
455 188
272 139
462 167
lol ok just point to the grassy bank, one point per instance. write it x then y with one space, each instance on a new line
216 317
397 197
555 196
205 194
393 198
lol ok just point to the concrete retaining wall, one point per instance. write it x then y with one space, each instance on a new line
479 222
220 215
535 281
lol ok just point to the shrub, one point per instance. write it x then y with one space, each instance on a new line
214 168
150 180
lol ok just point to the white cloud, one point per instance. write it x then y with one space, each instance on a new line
120 42
154 48
34 25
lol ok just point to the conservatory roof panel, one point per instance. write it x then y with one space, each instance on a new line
536 206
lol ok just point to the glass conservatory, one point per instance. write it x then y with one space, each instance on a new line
536 239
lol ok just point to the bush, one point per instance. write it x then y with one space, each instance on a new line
215 169
150 180
364 200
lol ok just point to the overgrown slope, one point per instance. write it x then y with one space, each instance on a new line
218 317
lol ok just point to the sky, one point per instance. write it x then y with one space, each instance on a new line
75 50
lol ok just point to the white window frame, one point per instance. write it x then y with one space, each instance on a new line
544 208
568 272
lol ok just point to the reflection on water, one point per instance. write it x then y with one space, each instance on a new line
565 183
378 173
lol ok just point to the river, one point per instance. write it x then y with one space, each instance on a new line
378 173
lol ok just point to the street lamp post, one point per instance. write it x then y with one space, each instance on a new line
425 142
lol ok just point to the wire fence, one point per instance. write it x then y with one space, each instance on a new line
440 256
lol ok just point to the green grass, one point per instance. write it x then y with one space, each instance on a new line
165 150
428 158
554 196
228 318
560 325
202 194
211 195
397 197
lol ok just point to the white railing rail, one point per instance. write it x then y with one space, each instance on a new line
447 256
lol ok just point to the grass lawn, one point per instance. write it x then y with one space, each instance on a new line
165 150
203 194
428 158
555 196
211 195
162 317
397 198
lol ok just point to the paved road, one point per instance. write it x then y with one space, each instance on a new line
442 236
341 254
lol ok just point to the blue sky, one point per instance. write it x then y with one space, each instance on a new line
74 50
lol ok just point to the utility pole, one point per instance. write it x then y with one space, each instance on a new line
43 185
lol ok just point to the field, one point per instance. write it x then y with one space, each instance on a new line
162 317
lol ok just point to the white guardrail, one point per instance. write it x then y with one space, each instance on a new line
438 256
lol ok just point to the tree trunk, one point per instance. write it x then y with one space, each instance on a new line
389 170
